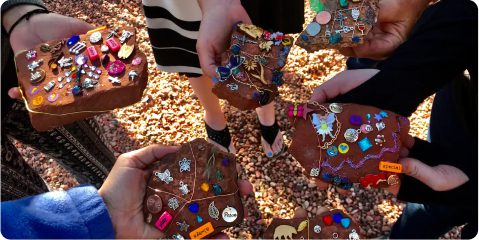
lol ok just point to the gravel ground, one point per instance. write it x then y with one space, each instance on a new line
170 114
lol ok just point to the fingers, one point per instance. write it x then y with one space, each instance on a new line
14 93
438 178
245 187
141 158
207 56
342 83
404 152
78 26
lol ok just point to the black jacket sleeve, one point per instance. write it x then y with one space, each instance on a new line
442 46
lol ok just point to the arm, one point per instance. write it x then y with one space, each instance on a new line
76 213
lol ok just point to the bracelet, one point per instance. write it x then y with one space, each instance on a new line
26 16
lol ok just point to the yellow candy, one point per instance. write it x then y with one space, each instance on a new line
205 187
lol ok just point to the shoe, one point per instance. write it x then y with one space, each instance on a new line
269 135
220 137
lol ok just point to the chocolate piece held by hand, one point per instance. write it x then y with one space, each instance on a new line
348 143
338 24
333 224
193 193
66 80
251 71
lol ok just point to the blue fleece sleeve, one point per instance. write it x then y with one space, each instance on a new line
76 213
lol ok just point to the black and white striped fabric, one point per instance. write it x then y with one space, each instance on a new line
173 29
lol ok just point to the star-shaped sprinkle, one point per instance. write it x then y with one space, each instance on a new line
378 117
383 114
183 226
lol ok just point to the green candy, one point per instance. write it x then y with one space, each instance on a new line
343 3
316 5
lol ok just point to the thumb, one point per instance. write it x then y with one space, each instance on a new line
78 26
14 93
342 83
438 178
207 57
143 157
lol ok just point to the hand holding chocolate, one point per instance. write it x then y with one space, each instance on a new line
251 72
193 193
338 24
333 224
67 80
348 143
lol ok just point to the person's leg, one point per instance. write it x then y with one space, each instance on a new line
76 146
214 117
419 221
271 139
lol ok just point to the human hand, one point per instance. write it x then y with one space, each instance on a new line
38 29
395 21
438 178
124 190
219 16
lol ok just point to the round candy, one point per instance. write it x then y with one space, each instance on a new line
95 37
38 100
317 229
351 135
81 59
116 68
52 97
313 29
343 148
230 214
323 17
154 203
332 151
136 61
104 48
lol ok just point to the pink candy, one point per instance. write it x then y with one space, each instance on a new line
116 68
163 221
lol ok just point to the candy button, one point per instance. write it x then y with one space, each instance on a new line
203 231
323 17
154 203
136 61
229 214
343 148
38 100
52 97
332 151
365 144
33 90
74 39
217 189
355 120
225 162
337 217
194 207
205 187
163 221
328 220
313 29
345 222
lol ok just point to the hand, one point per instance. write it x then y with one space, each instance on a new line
219 17
438 178
38 29
124 190
395 21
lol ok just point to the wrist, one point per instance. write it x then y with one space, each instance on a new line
15 13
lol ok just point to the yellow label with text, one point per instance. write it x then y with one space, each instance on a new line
390 167
202 231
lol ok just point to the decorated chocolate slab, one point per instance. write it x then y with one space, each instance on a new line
338 24
193 193
66 80
333 224
348 143
251 73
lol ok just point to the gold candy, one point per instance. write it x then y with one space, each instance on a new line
252 30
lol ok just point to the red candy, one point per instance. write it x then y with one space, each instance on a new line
328 220
113 44
92 53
